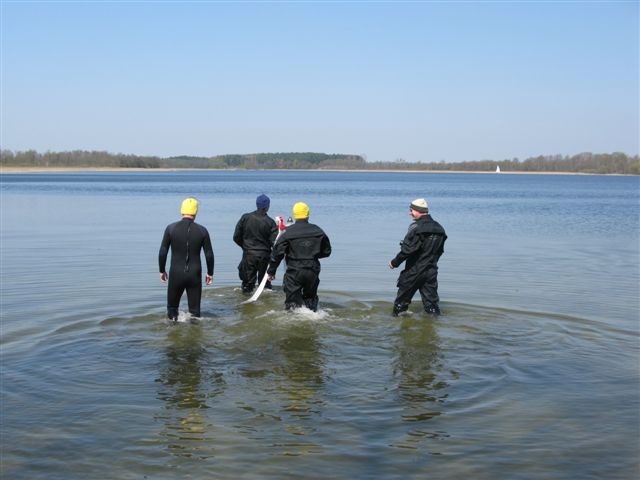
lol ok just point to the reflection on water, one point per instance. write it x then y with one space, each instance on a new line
299 381
185 385
419 388
301 374
284 372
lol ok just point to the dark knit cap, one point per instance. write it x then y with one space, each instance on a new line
263 201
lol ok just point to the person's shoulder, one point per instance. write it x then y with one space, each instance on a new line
312 228
257 215
243 218
318 227
262 216
292 230
172 225
201 227
437 224
429 225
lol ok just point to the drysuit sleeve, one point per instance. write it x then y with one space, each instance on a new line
410 245
208 253
164 250
274 232
238 234
277 254
325 247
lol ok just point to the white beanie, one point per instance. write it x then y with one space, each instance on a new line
420 205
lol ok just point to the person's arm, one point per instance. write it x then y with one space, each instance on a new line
163 253
238 234
277 254
209 257
273 234
408 246
325 247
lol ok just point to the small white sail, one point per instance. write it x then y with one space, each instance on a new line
498 169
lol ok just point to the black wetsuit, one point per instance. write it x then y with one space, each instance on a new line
421 248
186 238
302 244
255 233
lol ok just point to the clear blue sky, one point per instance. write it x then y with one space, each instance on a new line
421 81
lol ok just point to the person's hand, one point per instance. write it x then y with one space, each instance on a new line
208 279
391 266
163 277
271 277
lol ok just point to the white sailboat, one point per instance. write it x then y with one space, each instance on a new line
498 169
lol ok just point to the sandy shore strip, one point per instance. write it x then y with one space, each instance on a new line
12 170
86 169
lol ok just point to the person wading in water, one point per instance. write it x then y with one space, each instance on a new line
255 233
421 248
302 245
185 238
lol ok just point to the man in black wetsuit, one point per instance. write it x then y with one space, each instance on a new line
421 248
302 244
185 238
255 233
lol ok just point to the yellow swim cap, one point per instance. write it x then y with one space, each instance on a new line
189 206
300 210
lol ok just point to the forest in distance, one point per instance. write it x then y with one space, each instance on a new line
589 163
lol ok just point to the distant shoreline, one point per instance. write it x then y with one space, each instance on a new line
18 170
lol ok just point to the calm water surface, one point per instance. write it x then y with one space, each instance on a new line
531 372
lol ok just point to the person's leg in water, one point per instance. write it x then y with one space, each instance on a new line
429 294
194 294
174 294
247 271
406 291
262 264
310 290
293 289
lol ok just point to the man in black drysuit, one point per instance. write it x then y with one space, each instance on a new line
421 248
185 238
255 233
302 244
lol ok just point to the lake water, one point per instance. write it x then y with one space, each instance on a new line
532 371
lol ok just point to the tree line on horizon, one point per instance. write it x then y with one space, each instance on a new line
595 163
